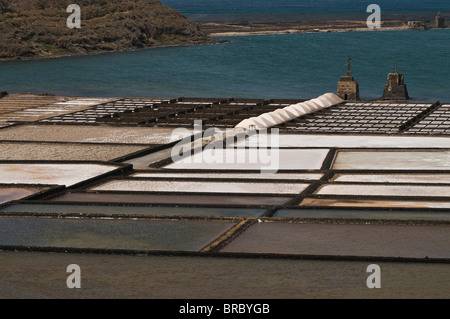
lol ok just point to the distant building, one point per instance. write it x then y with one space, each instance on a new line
440 21
395 88
417 25
348 88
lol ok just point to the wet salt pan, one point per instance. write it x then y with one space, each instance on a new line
344 240
132 210
110 233
363 214
172 199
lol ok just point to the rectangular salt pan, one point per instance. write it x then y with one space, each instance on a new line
110 234
394 178
344 240
385 190
170 199
164 277
279 176
201 187
65 152
372 203
94 134
132 210
253 159
348 141
392 160
13 193
363 214
58 174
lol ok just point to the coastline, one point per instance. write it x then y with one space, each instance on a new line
259 24
69 55
292 31
267 24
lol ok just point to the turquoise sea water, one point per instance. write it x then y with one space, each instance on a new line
262 66
303 6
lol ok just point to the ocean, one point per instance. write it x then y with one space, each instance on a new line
302 65
189 7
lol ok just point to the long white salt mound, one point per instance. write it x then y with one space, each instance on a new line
290 112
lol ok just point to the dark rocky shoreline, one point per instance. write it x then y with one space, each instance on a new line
30 30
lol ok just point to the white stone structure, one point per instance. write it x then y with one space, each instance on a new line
289 113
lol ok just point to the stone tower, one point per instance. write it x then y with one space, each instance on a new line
440 21
395 88
348 88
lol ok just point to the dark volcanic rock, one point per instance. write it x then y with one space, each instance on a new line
37 28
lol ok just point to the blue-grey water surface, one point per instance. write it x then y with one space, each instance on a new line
258 66
303 6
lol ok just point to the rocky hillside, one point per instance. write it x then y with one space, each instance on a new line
38 28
